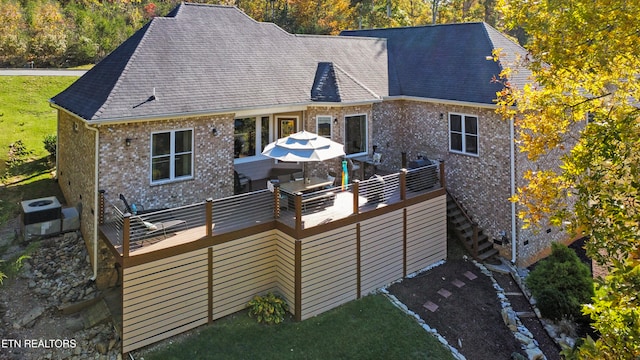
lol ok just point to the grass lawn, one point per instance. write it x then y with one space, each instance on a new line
368 328
26 115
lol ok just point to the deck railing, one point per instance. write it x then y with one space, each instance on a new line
298 211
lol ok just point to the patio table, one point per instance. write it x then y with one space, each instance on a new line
305 185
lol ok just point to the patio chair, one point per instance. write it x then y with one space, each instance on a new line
152 228
133 209
298 176
240 182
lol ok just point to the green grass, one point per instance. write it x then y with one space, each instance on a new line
369 328
25 115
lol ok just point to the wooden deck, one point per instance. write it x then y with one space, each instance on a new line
231 215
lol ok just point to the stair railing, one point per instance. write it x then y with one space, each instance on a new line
474 227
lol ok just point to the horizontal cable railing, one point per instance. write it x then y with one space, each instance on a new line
158 223
241 210
380 189
422 178
302 210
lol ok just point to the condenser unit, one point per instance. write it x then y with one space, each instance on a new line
45 216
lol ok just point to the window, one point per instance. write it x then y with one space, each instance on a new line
171 155
250 136
463 134
355 134
323 126
286 126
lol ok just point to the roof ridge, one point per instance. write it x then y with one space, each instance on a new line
490 37
337 67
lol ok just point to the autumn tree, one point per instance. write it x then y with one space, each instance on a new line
13 43
48 37
583 101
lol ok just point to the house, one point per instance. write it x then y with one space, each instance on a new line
441 104
191 97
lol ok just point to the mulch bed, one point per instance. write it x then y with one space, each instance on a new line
469 316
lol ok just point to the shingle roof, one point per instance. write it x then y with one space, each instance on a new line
209 58
446 61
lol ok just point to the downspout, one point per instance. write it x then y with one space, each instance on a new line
512 152
95 203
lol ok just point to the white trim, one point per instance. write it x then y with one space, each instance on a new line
366 132
463 134
512 154
172 153
441 101
330 124
235 112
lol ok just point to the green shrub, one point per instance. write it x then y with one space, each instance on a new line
50 142
561 283
269 308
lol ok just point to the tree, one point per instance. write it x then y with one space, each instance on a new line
583 102
48 32
13 44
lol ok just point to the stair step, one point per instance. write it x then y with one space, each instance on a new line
487 254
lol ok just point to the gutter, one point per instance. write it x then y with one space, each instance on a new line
442 101
95 202
512 152
237 112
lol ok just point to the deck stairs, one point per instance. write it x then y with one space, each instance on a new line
461 225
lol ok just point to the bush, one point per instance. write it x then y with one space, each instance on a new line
269 308
561 283
50 142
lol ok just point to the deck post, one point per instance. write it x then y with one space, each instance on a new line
101 207
209 216
276 201
443 183
403 184
298 208
404 160
356 191
126 225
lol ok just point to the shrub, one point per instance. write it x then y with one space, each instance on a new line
269 308
50 142
561 283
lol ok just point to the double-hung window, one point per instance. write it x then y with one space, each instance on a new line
355 134
171 155
463 134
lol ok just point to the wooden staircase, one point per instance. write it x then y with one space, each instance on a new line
461 225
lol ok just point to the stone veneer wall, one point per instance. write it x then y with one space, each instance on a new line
337 132
481 183
126 169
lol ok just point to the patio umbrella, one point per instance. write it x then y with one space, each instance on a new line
304 147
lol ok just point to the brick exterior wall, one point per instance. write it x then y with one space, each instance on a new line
337 132
481 183
75 172
126 169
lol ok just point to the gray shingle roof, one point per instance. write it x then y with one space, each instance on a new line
446 61
208 58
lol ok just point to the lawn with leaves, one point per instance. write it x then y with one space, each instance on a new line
368 328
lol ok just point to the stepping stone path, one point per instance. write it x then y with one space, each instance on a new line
444 292
429 305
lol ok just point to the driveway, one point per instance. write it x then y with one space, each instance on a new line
41 72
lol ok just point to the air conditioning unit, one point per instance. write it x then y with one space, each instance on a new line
45 216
